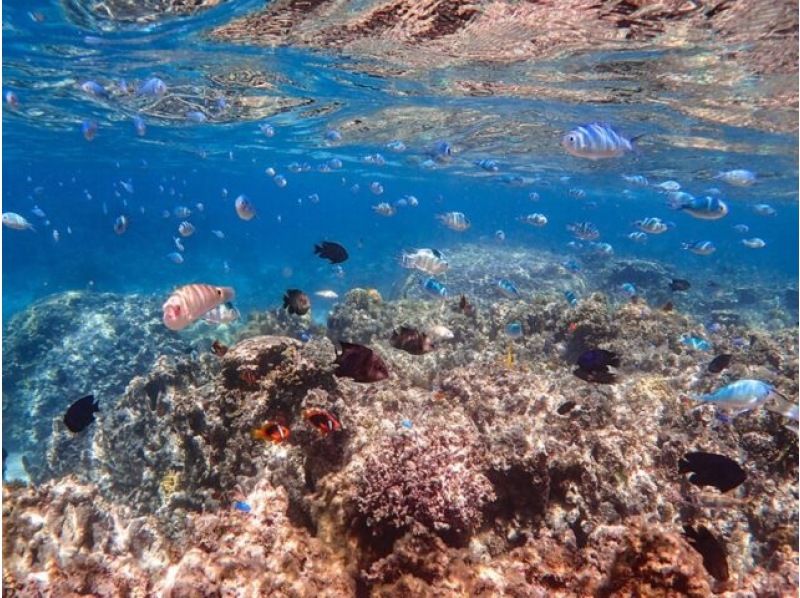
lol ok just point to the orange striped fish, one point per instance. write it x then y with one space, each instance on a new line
193 301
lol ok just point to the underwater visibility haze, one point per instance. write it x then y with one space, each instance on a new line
396 298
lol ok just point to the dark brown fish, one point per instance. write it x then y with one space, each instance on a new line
333 252
710 469
360 363
218 348
679 284
81 414
296 302
465 307
566 407
411 341
711 548
719 363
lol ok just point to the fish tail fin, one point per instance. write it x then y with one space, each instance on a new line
673 203
783 406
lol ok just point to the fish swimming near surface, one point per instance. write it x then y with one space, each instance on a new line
222 314
679 284
739 177
704 208
17 222
711 548
324 421
411 341
360 363
191 302
710 469
700 247
80 414
296 302
596 141
764 209
456 221
719 363
271 431
333 252
152 87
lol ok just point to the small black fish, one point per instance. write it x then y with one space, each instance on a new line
296 302
80 414
465 307
360 363
566 407
333 252
710 469
711 548
411 341
679 284
600 377
719 363
597 360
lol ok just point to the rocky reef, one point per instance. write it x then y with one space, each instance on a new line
483 468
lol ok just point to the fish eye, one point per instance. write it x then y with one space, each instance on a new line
219 292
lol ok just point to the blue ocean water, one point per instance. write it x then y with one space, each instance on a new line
48 163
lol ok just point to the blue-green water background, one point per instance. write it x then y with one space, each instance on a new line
44 63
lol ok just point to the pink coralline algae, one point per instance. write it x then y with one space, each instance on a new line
429 478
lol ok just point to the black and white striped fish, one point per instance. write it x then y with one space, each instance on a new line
596 141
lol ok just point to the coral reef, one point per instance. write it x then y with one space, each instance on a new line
482 468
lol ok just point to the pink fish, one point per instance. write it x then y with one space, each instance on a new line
191 302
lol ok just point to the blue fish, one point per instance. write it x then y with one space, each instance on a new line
433 287
406 423
514 329
333 135
739 397
705 208
93 88
628 289
89 129
571 298
695 342
489 165
152 87
441 151
572 266
240 505
139 126
507 288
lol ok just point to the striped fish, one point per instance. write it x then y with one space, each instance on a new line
585 231
191 302
456 221
596 141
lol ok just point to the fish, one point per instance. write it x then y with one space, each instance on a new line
333 135
742 229
222 314
89 129
327 294
139 126
152 87
376 188
411 341
668 186
218 234
333 252
585 231
533 196
628 289
456 221
654 226
499 236
593 366
571 266
441 151
430 261
571 298
536 219
577 193
17 222
704 208
711 548
242 506
80 414
596 141
376 159
323 420
384 209
175 257
218 348
121 225
280 180
296 302
488 165
566 407
12 99
127 185
93 88
507 288
196 116
739 177
434 287
267 130
711 469
360 363
719 363
244 209
695 342
465 307
764 209
178 244
739 397
754 243
271 431
412 201
700 247
182 212
635 179
396 145
679 284
514 329
186 229
439 332
191 302
638 237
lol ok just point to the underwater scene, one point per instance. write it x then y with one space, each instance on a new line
400 298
